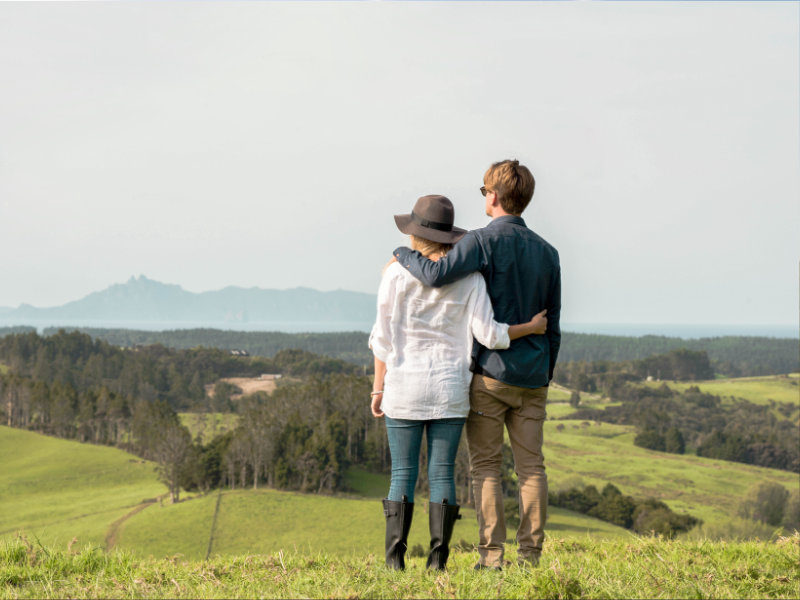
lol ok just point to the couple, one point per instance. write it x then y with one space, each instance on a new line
437 306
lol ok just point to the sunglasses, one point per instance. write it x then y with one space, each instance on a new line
484 191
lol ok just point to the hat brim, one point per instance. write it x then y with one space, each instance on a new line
407 225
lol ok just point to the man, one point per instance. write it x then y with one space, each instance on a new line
509 387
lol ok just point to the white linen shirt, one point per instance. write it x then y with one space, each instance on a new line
424 335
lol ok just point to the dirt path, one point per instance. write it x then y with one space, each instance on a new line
113 531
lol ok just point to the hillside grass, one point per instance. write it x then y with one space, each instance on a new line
599 453
626 568
759 390
208 425
265 521
56 489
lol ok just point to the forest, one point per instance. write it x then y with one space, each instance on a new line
731 356
317 424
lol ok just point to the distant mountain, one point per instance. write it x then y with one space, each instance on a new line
144 300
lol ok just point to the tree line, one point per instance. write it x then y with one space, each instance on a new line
302 436
732 356
738 430
643 515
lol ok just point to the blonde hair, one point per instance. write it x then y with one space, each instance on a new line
512 182
428 247
424 247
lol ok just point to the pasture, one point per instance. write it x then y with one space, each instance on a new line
59 489
759 390
265 521
208 425
54 490
597 453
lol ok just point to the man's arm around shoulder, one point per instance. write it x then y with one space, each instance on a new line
466 257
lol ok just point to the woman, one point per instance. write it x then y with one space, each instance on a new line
422 340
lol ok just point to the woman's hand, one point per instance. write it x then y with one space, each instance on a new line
539 322
376 405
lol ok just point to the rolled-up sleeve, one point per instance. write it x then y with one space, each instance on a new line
380 340
484 328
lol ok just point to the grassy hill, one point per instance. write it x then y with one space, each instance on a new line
264 521
626 568
759 390
58 489
54 490
597 453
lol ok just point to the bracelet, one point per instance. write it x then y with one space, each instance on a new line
376 393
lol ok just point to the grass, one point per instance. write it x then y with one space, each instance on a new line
265 521
208 425
598 453
56 489
3 369
626 568
759 390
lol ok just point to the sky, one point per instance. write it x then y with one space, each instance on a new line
269 144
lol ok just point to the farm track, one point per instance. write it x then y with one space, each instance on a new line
114 528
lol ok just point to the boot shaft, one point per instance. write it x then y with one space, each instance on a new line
442 518
398 523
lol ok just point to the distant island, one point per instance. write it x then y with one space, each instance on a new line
145 303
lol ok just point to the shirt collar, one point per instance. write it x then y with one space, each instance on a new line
507 219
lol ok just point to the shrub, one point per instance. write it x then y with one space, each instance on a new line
650 438
765 502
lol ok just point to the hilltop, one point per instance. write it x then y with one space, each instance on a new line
144 300
628 568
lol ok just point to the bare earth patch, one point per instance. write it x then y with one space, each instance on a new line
248 385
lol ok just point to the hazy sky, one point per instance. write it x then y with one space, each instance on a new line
269 144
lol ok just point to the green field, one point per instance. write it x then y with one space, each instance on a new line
58 489
264 521
53 490
570 568
597 453
208 425
759 390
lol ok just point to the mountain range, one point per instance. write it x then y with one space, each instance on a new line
144 300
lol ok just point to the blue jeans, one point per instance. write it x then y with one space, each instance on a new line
405 439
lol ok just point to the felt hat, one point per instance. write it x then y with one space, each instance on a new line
432 219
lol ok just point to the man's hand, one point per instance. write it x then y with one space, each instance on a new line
539 322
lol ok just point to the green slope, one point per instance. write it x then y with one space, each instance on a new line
58 489
598 453
759 390
264 521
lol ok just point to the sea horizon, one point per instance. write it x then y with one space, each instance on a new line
675 330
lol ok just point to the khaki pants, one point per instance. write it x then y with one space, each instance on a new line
494 404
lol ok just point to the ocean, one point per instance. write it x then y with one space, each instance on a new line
686 331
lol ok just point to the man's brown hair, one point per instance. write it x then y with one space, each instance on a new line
512 182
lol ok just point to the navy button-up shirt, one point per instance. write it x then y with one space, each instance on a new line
523 275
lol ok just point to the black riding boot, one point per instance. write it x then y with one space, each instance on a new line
441 519
398 522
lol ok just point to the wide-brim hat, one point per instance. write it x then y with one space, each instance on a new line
432 219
